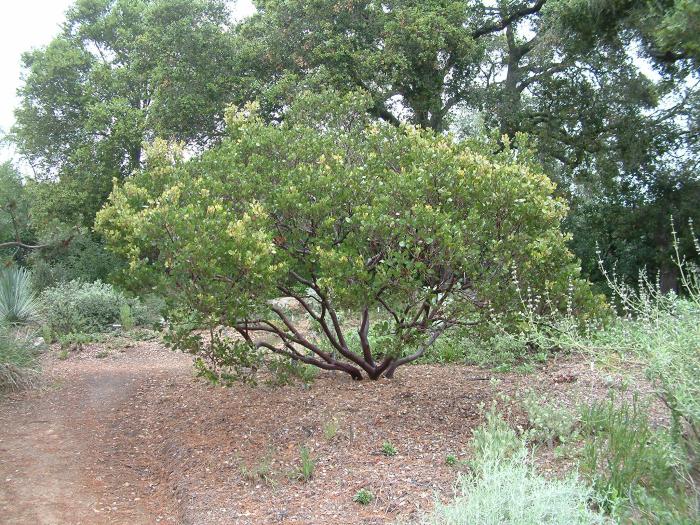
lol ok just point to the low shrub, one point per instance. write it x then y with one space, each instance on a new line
76 341
504 487
497 349
77 306
547 423
126 317
151 312
637 471
83 258
285 371
17 359
495 440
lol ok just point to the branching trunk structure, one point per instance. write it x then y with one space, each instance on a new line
425 317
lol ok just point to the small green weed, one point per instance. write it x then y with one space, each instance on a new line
388 449
63 355
451 460
331 428
548 424
305 471
363 497
260 471
47 334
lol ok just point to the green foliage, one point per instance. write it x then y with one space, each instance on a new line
14 212
677 35
18 302
451 460
388 449
495 440
493 347
228 360
306 465
643 474
18 359
363 497
629 228
634 468
548 423
331 428
512 492
423 219
331 45
284 371
81 258
47 334
151 316
77 306
662 330
621 143
126 317
76 341
504 487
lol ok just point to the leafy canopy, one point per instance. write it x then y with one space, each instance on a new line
406 227
621 142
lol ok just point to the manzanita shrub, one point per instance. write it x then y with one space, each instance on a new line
384 237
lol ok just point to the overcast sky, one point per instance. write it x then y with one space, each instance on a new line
28 24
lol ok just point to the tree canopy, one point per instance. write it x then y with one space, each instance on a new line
120 73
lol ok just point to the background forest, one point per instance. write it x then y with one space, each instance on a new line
604 93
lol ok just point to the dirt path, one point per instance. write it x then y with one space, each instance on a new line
63 457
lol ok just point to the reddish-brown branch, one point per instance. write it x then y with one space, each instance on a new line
363 332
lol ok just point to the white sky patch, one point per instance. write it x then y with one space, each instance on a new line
31 24
23 26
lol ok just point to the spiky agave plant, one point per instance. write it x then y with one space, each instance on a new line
18 302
